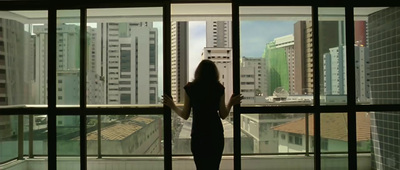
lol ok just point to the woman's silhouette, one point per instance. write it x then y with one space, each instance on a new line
205 94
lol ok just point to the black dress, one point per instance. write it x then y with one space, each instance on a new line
207 134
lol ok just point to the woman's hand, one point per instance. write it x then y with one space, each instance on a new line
235 99
168 101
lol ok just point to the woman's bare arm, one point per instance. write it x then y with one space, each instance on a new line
225 109
185 112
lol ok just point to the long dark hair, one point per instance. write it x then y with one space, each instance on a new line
206 72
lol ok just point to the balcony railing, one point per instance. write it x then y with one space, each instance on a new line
187 163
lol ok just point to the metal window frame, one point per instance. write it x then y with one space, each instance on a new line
52 111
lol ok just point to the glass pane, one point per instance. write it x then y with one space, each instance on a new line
276 65
334 152
364 142
332 55
68 57
23 67
385 131
274 133
8 137
68 142
198 35
363 131
377 55
124 56
92 126
40 135
198 32
128 135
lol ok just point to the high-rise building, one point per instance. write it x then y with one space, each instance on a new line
68 65
95 80
16 60
179 59
222 57
384 67
68 58
16 72
335 71
363 83
303 62
287 43
276 59
219 50
3 90
129 51
252 73
219 34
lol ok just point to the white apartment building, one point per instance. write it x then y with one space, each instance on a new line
95 80
218 34
129 51
252 75
219 49
363 83
16 66
179 59
222 57
68 66
334 70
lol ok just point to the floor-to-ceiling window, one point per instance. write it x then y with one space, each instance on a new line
80 85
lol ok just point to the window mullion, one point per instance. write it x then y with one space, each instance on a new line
83 42
236 85
52 68
317 123
351 91
167 84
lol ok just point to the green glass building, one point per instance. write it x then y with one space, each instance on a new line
276 68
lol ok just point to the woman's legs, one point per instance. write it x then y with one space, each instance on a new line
207 152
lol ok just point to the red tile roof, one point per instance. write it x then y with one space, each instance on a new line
333 126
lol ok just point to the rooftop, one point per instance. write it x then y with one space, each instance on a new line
120 131
333 126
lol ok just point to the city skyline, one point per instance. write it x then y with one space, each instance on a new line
379 91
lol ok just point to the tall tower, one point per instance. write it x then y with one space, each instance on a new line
68 65
303 58
363 83
179 59
219 34
287 43
277 55
219 49
129 51
335 71
95 81
15 64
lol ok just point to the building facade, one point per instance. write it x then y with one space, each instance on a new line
129 51
303 59
277 70
252 75
384 69
219 49
179 59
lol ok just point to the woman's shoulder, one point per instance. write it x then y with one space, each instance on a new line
220 85
189 84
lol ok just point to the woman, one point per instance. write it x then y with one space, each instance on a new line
206 96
